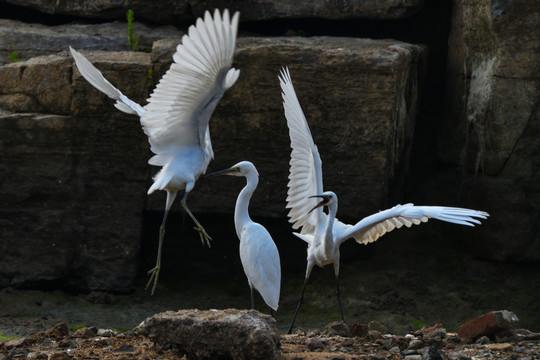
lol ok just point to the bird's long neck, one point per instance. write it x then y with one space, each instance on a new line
328 233
241 214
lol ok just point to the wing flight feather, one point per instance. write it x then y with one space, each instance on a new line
97 80
305 176
180 107
374 226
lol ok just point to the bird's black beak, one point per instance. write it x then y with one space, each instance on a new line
322 203
221 172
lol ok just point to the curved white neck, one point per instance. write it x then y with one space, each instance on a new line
241 214
328 233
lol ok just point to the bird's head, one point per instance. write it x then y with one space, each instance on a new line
243 168
328 198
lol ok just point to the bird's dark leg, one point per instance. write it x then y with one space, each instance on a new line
338 294
205 238
300 301
339 298
154 273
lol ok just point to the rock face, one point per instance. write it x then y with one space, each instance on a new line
30 40
75 168
215 334
491 128
172 12
371 86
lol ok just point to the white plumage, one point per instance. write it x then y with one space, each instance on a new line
258 252
323 232
178 111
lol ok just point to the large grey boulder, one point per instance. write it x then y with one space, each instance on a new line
360 99
492 122
30 40
63 219
359 96
175 11
215 334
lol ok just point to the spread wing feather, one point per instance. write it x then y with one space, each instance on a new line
305 176
97 80
374 226
180 107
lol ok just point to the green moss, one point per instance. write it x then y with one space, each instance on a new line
75 327
28 314
150 78
417 324
14 57
122 329
5 338
133 42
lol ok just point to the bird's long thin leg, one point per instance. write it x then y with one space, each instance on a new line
300 301
154 273
339 298
205 238
338 294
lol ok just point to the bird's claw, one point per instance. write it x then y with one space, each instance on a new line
154 274
205 238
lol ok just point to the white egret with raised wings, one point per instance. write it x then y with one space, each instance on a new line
322 232
179 109
258 252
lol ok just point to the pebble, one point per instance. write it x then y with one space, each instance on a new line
438 333
431 353
125 348
315 343
377 326
413 357
106 333
339 328
409 352
458 356
484 340
84 333
500 347
415 344
374 335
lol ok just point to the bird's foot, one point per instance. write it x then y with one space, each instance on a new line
205 238
154 274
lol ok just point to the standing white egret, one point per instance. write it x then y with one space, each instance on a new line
322 232
178 111
258 252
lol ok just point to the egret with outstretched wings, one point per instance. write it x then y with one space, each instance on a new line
178 111
322 232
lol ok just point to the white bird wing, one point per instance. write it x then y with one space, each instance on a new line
260 260
374 226
180 107
97 80
305 175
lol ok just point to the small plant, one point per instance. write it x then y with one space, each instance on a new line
133 42
150 78
76 327
122 329
14 57
417 324
4 338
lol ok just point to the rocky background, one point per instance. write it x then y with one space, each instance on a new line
429 102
